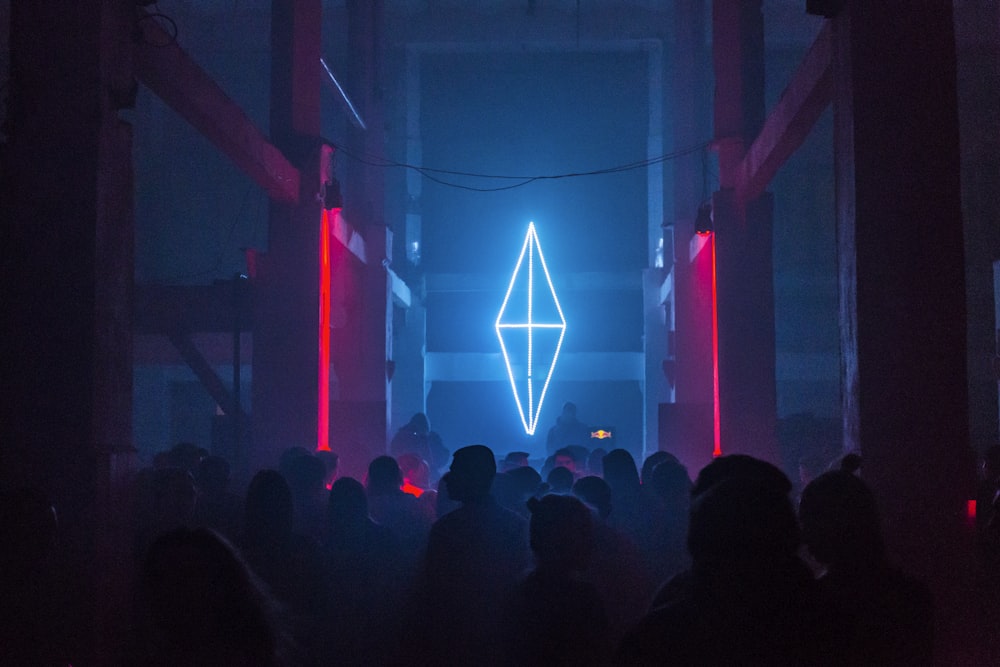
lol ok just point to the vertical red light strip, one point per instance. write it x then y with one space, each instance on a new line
716 414
323 380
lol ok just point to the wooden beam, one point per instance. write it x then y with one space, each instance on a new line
401 294
296 83
348 237
805 98
201 308
204 372
186 88
738 64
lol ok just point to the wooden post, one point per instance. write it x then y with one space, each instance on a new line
67 252
686 425
360 417
286 349
902 293
745 295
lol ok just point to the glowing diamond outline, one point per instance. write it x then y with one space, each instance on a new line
531 247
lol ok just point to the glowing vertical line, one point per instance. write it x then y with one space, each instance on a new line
531 294
323 379
504 321
562 327
717 413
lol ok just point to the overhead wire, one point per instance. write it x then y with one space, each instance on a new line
434 174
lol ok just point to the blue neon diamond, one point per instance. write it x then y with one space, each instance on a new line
530 326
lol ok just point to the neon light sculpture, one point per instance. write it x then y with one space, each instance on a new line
530 327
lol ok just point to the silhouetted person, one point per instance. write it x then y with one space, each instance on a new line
475 556
33 627
627 513
596 493
416 437
560 480
731 466
186 456
888 616
288 562
366 579
652 461
988 509
851 462
306 476
557 618
216 507
443 502
749 600
166 500
398 511
667 496
514 487
595 461
567 457
742 466
616 567
200 605
568 430
514 460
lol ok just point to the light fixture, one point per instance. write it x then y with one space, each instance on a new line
533 313
704 223
331 195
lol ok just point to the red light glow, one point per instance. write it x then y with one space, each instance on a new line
323 379
411 489
716 413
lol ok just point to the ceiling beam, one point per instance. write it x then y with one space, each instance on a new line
201 308
184 86
791 120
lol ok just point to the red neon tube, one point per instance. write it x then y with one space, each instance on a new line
323 379
716 416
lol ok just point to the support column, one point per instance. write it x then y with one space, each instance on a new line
902 292
686 423
365 189
286 340
361 414
745 301
67 307
747 392
286 349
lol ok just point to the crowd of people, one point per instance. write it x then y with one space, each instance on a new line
585 559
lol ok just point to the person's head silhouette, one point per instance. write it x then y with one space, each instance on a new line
471 473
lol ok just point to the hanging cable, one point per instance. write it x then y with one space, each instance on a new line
433 174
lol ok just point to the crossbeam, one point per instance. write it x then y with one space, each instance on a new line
213 384
791 120
347 236
187 89
202 308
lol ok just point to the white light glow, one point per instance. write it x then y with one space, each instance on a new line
526 321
